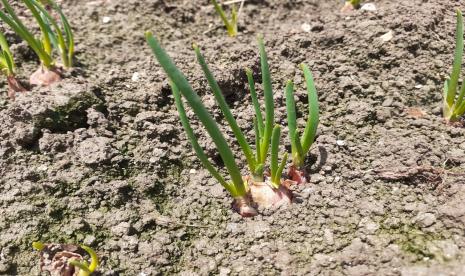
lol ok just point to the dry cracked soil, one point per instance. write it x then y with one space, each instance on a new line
101 158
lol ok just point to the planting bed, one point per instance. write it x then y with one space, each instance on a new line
101 158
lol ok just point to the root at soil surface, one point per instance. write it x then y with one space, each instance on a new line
243 206
14 86
45 77
296 175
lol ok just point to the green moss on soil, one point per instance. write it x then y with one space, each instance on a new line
412 240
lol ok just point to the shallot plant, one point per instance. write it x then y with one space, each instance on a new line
54 35
351 5
454 97
300 146
86 269
8 67
72 259
257 188
230 24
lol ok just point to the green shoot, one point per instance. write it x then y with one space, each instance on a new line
7 64
52 35
454 98
227 112
237 187
351 5
267 134
61 36
39 46
269 102
301 146
195 144
231 25
354 3
8 67
39 246
276 168
84 268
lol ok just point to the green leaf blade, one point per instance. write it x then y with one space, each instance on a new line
196 104
246 149
193 139
458 55
314 110
269 102
274 152
256 104
296 146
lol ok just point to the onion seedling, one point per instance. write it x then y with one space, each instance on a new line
52 36
86 269
351 5
231 25
8 67
301 146
454 98
237 187
263 191
64 259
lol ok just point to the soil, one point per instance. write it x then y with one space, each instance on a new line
101 158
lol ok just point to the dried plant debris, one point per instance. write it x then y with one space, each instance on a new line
415 175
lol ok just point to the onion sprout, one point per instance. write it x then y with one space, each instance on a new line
52 35
301 146
237 187
231 25
8 67
454 98
86 269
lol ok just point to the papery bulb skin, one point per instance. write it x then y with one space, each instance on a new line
45 77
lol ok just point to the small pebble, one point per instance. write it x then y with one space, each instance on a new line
369 7
135 77
106 19
387 36
306 27
340 143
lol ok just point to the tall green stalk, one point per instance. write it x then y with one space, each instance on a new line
226 111
181 83
276 168
301 146
52 35
11 19
231 25
7 64
454 103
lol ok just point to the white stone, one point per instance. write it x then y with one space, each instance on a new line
369 7
135 77
340 143
306 27
106 19
387 36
